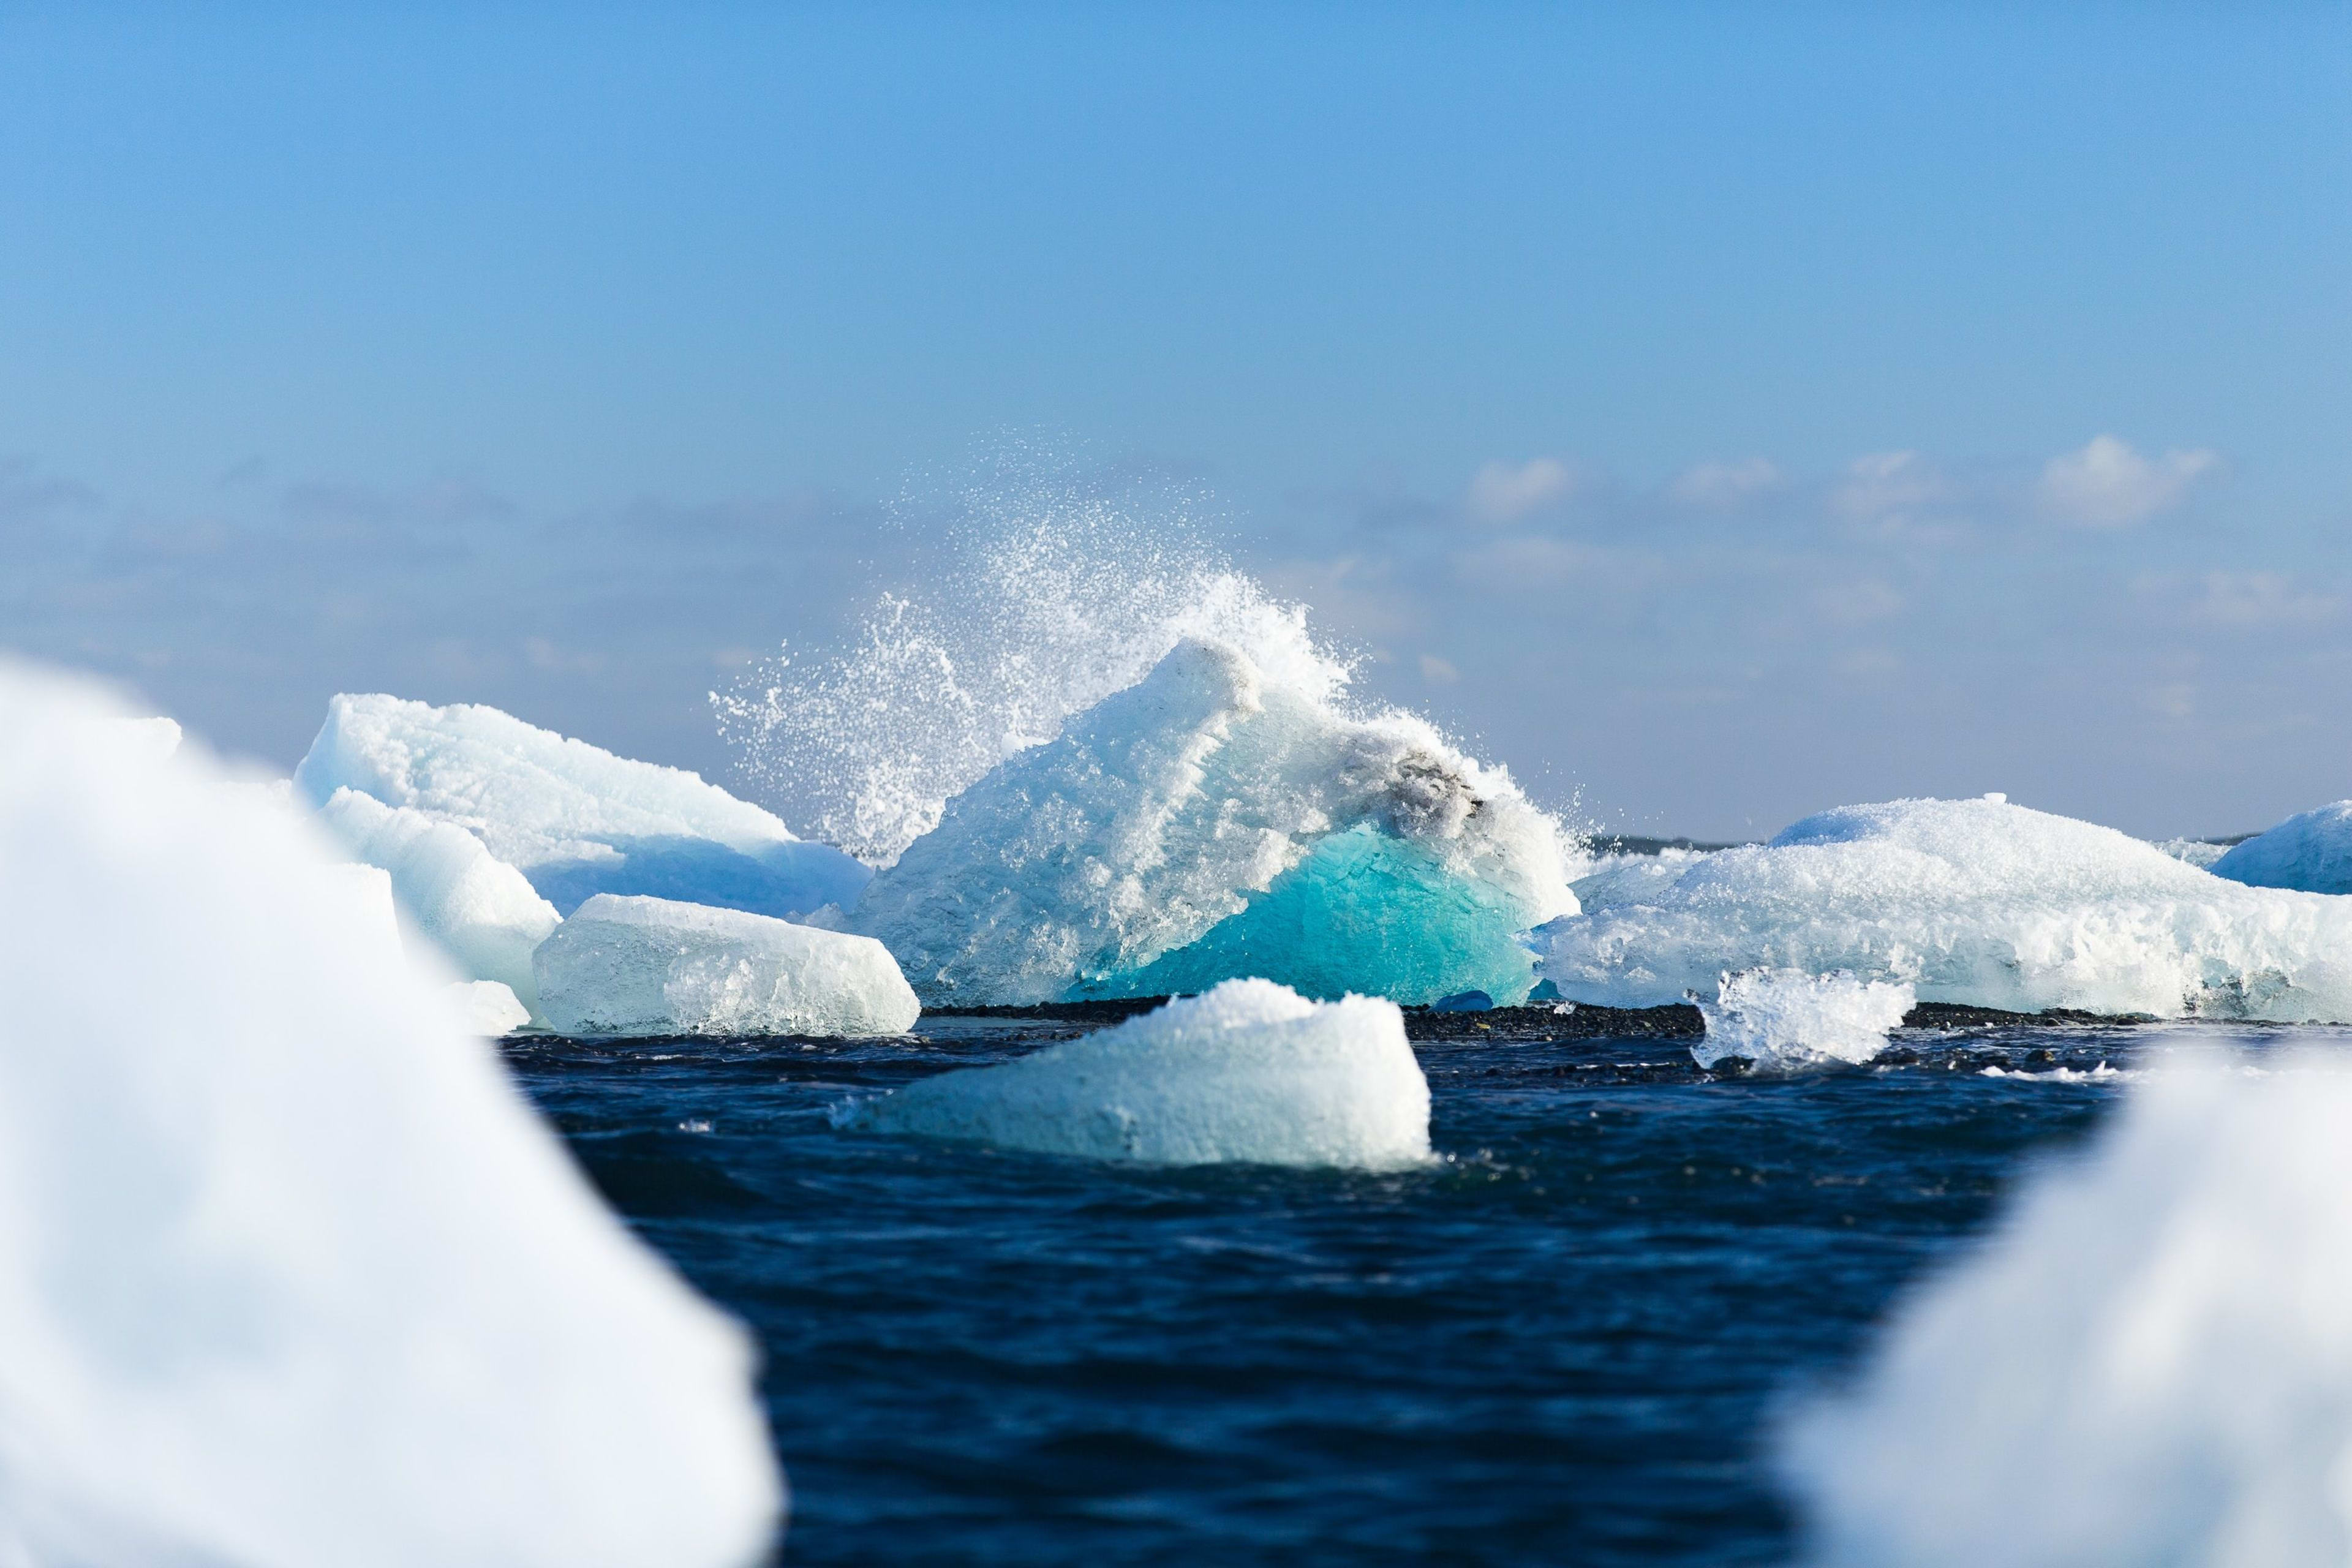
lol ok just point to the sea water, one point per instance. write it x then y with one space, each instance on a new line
1570 1338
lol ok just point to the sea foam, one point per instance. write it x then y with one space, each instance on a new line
290 1274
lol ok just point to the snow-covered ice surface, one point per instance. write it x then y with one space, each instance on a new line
2311 850
481 912
650 966
278 1294
1974 901
575 819
1213 821
2149 1363
1250 1071
1786 1018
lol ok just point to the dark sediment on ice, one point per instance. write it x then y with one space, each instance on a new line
1957 1016
1629 844
1553 1021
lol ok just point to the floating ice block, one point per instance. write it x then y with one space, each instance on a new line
576 820
650 967
1787 1018
480 911
1251 1071
1974 901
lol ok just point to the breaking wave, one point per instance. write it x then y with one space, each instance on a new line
1060 586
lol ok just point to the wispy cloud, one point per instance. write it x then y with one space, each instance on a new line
1506 493
1719 486
2107 484
2243 599
1890 486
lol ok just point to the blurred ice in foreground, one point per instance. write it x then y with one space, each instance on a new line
2150 1361
290 1274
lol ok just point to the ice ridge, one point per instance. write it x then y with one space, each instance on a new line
2311 850
1975 902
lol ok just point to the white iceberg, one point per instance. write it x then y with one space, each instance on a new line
2311 850
650 966
279 1293
1974 901
1213 821
1251 1071
575 820
2148 1363
1785 1018
482 911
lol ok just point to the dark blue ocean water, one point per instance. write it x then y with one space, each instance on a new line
1562 1344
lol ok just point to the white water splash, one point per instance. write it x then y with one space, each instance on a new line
1060 587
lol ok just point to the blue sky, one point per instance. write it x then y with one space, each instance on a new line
1721 411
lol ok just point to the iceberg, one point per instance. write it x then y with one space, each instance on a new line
1249 1071
1973 901
650 966
2311 850
1786 1018
1213 821
482 911
2148 1363
577 820
274 1294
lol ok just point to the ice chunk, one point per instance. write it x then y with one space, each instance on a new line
278 1293
479 909
1209 822
2198 852
2149 1363
1250 1071
486 1009
1973 901
2311 850
576 820
1787 1018
1630 879
650 966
